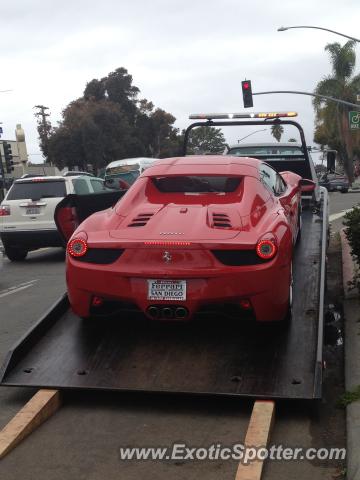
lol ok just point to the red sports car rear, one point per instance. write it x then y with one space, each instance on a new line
191 234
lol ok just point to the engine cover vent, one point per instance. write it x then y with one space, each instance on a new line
140 220
221 220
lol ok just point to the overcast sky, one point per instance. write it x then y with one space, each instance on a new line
185 56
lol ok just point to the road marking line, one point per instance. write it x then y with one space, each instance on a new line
17 288
336 216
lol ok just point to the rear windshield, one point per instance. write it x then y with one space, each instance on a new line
37 189
197 184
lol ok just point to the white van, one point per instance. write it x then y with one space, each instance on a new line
120 174
27 211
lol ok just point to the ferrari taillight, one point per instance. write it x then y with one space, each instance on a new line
266 249
77 247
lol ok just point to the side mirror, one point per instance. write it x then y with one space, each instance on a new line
307 185
109 183
116 184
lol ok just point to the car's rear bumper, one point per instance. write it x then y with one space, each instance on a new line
265 286
31 239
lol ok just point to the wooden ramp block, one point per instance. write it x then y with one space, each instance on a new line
38 409
257 435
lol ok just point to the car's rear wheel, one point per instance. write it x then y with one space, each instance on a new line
15 254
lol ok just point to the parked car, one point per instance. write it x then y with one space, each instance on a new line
189 234
335 182
27 212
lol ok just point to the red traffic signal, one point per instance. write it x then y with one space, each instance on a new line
247 93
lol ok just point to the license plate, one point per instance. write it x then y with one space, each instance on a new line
33 211
338 187
167 290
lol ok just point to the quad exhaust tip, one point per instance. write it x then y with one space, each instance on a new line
153 311
181 312
157 312
167 312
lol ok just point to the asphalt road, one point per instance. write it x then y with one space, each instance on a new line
83 439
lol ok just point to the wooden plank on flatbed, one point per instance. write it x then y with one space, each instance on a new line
38 409
257 436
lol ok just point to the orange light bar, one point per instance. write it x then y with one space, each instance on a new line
275 114
166 244
230 116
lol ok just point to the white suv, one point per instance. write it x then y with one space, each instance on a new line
27 212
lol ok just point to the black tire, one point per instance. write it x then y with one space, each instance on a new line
344 190
15 254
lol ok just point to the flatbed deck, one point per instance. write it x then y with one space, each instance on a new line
211 355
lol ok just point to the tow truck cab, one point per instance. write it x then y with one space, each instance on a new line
282 157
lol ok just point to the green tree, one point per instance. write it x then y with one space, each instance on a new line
332 126
110 123
92 133
155 128
164 134
204 140
276 131
117 87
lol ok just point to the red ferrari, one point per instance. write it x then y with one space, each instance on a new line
191 234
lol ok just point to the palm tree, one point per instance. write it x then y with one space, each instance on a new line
276 131
332 124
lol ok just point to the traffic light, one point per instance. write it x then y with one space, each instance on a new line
247 93
9 164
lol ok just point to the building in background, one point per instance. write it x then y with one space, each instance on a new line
18 146
20 158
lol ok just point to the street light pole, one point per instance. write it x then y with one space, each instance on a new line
332 99
282 29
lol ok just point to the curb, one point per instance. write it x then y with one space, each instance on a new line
348 266
352 361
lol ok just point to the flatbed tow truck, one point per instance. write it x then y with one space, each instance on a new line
236 359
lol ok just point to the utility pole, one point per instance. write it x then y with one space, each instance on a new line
2 173
45 125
